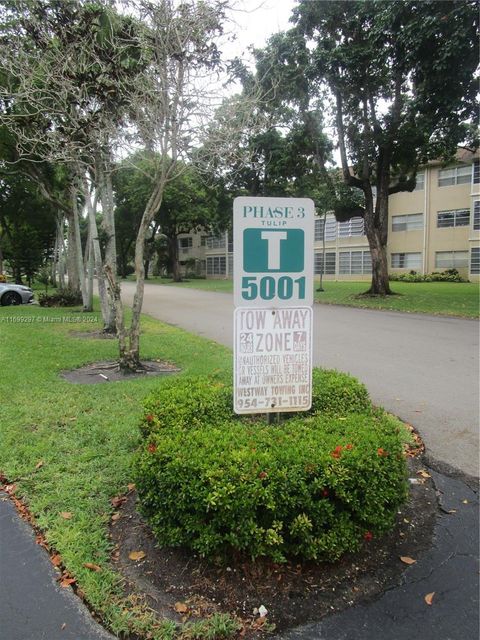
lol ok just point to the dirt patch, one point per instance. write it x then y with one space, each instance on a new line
179 584
102 372
93 335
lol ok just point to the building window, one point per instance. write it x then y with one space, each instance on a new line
407 222
476 215
475 261
476 172
451 259
319 227
185 244
420 181
216 242
354 262
216 266
230 264
350 228
330 260
406 260
455 218
454 175
203 241
331 229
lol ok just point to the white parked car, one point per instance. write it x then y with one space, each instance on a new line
14 294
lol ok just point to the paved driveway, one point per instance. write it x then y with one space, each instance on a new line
421 368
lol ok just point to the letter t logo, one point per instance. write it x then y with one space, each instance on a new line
274 239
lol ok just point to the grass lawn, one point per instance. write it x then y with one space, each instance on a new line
68 447
438 298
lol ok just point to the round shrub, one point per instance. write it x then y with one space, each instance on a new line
311 487
337 393
187 402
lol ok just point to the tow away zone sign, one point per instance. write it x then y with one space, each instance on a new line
273 359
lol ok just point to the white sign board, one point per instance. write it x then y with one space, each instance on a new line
273 359
273 252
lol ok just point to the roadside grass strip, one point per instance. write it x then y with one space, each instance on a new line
459 299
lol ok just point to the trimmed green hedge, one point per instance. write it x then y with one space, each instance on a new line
311 487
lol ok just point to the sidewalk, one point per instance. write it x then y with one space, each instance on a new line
32 604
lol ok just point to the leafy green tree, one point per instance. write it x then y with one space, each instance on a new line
28 227
189 204
400 79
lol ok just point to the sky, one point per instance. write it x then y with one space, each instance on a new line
254 21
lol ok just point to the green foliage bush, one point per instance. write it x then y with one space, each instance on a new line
337 393
187 402
312 486
449 275
59 299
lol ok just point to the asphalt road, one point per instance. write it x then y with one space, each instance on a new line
424 369
33 606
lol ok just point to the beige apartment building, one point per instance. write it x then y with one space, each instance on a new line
433 228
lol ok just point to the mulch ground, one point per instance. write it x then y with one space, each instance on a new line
102 372
179 585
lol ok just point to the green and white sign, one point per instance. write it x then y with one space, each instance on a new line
273 252
273 295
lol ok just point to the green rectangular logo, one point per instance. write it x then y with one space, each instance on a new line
273 250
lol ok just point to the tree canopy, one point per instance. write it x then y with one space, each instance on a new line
399 77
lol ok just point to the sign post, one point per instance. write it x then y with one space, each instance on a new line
273 295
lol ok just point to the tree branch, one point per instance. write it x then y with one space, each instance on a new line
351 180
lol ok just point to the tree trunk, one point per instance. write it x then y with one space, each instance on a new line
376 228
61 252
53 270
130 356
324 249
72 263
104 179
79 254
173 252
90 267
380 283
106 304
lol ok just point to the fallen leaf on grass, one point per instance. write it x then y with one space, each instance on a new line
40 540
56 560
10 488
137 555
92 566
407 560
131 486
115 517
429 598
39 464
181 607
66 515
66 582
117 501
